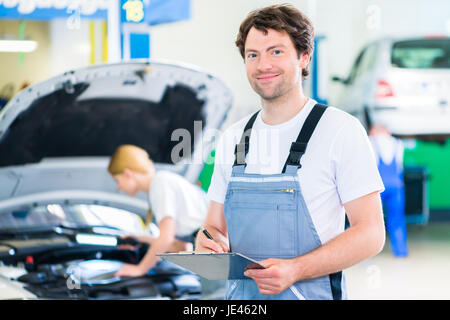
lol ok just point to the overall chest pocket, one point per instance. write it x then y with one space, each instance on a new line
263 228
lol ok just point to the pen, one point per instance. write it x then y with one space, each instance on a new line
206 233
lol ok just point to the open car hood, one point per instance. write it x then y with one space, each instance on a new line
56 136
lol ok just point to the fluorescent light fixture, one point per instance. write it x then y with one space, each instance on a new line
93 239
17 45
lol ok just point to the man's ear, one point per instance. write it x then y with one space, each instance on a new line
304 60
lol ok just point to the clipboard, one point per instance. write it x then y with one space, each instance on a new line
214 266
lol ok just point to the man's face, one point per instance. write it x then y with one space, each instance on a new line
272 63
126 183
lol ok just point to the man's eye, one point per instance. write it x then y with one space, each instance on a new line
251 55
276 52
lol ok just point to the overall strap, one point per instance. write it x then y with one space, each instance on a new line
298 147
241 149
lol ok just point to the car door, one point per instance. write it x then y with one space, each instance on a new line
358 86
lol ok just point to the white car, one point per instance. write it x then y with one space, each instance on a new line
403 84
60 211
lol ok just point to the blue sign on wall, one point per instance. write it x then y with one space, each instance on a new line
143 12
132 11
153 12
46 9
166 11
135 42
139 45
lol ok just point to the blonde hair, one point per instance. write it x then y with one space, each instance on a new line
133 158
130 157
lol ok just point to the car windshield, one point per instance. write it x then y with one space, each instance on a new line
73 215
421 54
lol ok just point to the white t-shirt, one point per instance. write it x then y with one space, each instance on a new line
337 167
171 195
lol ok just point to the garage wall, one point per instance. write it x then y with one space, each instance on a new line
207 39
36 65
71 45
60 48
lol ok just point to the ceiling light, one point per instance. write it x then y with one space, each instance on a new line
17 45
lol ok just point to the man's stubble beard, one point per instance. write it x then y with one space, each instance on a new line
279 91
275 95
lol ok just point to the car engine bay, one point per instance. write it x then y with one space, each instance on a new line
56 267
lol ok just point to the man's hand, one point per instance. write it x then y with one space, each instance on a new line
202 243
275 278
217 227
130 270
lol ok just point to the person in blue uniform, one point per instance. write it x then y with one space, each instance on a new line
389 151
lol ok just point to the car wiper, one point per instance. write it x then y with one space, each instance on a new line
64 229
11 233
6 234
92 229
79 227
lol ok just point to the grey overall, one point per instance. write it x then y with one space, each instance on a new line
267 217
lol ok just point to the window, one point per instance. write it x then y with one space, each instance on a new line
78 214
353 72
364 63
421 54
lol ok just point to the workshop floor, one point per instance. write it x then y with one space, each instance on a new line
423 275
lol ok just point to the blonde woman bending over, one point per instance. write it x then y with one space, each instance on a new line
178 206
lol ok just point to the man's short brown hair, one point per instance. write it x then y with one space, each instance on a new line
280 17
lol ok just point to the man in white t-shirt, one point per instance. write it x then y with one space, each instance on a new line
284 178
178 206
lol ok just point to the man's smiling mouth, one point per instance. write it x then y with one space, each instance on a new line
267 77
